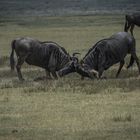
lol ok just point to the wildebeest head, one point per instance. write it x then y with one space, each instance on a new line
78 66
70 67
85 71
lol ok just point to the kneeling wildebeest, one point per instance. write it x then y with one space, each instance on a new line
131 21
47 55
103 55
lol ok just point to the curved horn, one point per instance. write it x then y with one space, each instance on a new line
74 54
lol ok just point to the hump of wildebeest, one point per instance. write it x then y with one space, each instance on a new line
93 47
54 48
56 44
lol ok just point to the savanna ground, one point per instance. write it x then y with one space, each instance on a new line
68 108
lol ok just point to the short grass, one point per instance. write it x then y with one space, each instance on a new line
68 108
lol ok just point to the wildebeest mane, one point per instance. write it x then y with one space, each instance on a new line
94 47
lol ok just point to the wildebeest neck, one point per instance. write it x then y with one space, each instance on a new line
91 59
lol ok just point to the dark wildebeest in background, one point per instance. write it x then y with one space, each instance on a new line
47 55
131 21
103 55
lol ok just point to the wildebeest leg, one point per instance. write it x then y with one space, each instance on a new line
131 29
127 27
131 62
82 77
18 67
137 61
48 76
54 74
100 70
119 70
52 66
101 62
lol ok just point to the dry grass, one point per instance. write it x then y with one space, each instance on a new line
68 108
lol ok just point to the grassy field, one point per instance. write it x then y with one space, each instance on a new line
68 108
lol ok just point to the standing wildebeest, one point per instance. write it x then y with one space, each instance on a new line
47 55
103 55
131 21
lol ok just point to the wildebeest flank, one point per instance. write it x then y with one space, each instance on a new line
47 55
103 55
131 21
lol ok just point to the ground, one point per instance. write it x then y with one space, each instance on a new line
68 108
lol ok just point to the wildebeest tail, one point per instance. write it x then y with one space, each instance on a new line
126 24
131 62
12 61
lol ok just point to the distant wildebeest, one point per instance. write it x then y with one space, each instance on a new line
103 55
47 55
131 21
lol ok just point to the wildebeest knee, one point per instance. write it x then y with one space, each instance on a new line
18 67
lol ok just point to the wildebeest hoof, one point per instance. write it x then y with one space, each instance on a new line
14 131
48 78
103 77
40 78
127 67
22 79
82 77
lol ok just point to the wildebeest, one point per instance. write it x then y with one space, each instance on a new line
103 55
131 21
48 55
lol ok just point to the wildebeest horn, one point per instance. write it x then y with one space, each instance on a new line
74 54
96 73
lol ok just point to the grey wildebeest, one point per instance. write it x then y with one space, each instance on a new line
103 55
131 21
48 55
